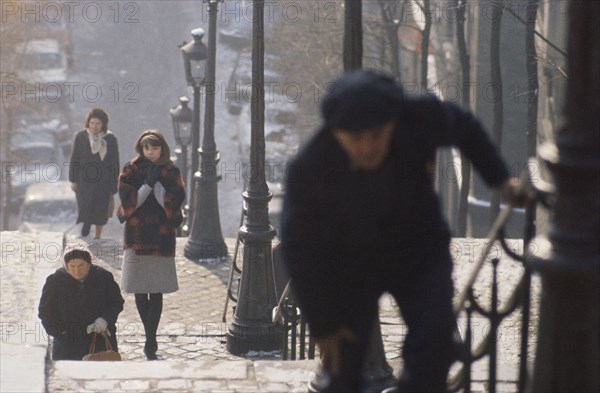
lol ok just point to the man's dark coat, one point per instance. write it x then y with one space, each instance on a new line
345 230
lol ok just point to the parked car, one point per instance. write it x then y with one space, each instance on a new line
235 28
239 85
236 34
281 135
40 136
42 61
59 29
35 158
49 206
35 118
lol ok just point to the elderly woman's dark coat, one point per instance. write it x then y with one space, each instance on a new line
68 306
151 229
96 178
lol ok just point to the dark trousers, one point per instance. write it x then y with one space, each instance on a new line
149 306
429 348
425 301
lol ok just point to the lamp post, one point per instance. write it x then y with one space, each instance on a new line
567 257
195 54
252 327
182 116
206 241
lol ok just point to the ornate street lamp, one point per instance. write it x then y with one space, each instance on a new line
195 54
205 243
182 117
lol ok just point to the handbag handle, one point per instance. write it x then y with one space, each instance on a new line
107 344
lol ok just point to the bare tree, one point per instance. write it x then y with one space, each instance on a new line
496 79
532 77
532 86
425 8
12 33
353 34
308 55
465 169
390 23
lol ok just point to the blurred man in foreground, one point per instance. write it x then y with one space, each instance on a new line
361 217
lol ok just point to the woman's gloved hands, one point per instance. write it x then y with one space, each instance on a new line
151 175
99 326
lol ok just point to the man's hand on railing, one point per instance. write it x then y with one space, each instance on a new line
515 191
331 348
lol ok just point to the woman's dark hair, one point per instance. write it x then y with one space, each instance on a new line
78 254
153 138
99 114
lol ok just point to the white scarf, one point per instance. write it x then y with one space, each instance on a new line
97 143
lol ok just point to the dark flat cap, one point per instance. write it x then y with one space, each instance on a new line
361 99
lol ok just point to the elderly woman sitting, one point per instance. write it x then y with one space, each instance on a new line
78 300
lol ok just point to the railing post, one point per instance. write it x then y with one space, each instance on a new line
469 341
302 337
284 337
526 301
492 379
294 329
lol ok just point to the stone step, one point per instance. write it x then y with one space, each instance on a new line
181 376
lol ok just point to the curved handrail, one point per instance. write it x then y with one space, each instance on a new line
519 297
493 234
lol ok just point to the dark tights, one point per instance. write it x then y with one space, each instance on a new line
149 307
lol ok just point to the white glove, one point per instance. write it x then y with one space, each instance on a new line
99 326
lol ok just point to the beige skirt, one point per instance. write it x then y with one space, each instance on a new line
148 273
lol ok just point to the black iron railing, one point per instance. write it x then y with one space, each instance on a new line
519 298
296 341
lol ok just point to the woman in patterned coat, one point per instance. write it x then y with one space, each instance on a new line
94 172
152 193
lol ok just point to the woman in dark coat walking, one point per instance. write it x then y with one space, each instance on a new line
77 300
94 172
152 193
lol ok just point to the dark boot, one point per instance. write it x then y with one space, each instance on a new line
85 230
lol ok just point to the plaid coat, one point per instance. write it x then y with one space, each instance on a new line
150 229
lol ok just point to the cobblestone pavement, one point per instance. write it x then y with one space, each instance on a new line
192 335
191 326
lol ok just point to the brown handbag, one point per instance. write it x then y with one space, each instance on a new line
106 355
